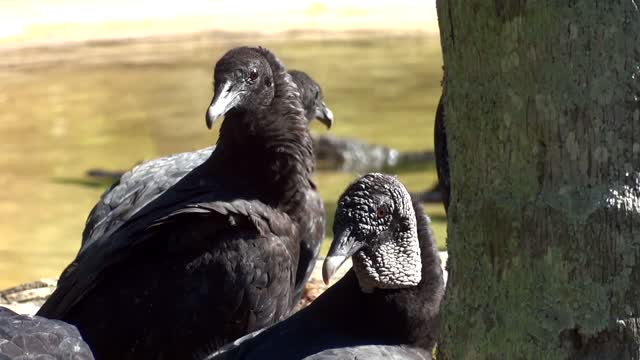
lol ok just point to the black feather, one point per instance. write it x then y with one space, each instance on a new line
442 154
215 255
145 182
34 337
346 323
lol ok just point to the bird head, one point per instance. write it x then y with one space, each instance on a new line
312 98
243 80
375 223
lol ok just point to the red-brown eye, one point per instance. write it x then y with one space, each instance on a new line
253 74
380 213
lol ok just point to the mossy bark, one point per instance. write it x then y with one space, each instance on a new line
543 128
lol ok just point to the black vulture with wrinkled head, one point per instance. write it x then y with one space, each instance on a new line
35 337
215 256
141 185
386 307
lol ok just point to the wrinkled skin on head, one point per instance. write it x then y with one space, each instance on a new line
375 223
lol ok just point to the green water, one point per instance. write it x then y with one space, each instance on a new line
109 105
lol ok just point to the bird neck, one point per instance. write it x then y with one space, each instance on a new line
385 316
380 316
269 148
393 264
415 309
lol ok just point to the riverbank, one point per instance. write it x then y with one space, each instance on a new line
61 22
172 49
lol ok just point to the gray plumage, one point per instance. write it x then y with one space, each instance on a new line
373 352
364 315
137 188
25 337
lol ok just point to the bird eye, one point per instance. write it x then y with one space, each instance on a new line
267 82
380 213
253 74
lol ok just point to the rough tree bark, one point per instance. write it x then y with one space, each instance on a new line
543 129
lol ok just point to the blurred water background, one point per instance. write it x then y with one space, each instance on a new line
74 99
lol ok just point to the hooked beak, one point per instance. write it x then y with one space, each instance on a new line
343 246
324 114
223 100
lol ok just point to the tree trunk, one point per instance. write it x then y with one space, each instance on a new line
543 130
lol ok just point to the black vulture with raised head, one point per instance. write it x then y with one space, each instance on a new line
145 182
215 256
34 337
386 307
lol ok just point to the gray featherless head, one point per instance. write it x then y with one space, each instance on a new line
376 224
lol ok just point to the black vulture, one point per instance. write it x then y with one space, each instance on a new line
441 191
34 337
312 98
137 187
385 307
442 154
215 256
147 181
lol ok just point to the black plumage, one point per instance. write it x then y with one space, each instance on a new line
215 256
141 185
137 187
392 314
442 154
34 337
312 98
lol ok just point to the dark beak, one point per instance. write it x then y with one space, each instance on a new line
343 246
224 100
324 114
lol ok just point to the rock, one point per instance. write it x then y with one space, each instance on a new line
346 154
332 153
27 298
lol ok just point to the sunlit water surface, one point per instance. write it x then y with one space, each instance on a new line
110 105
